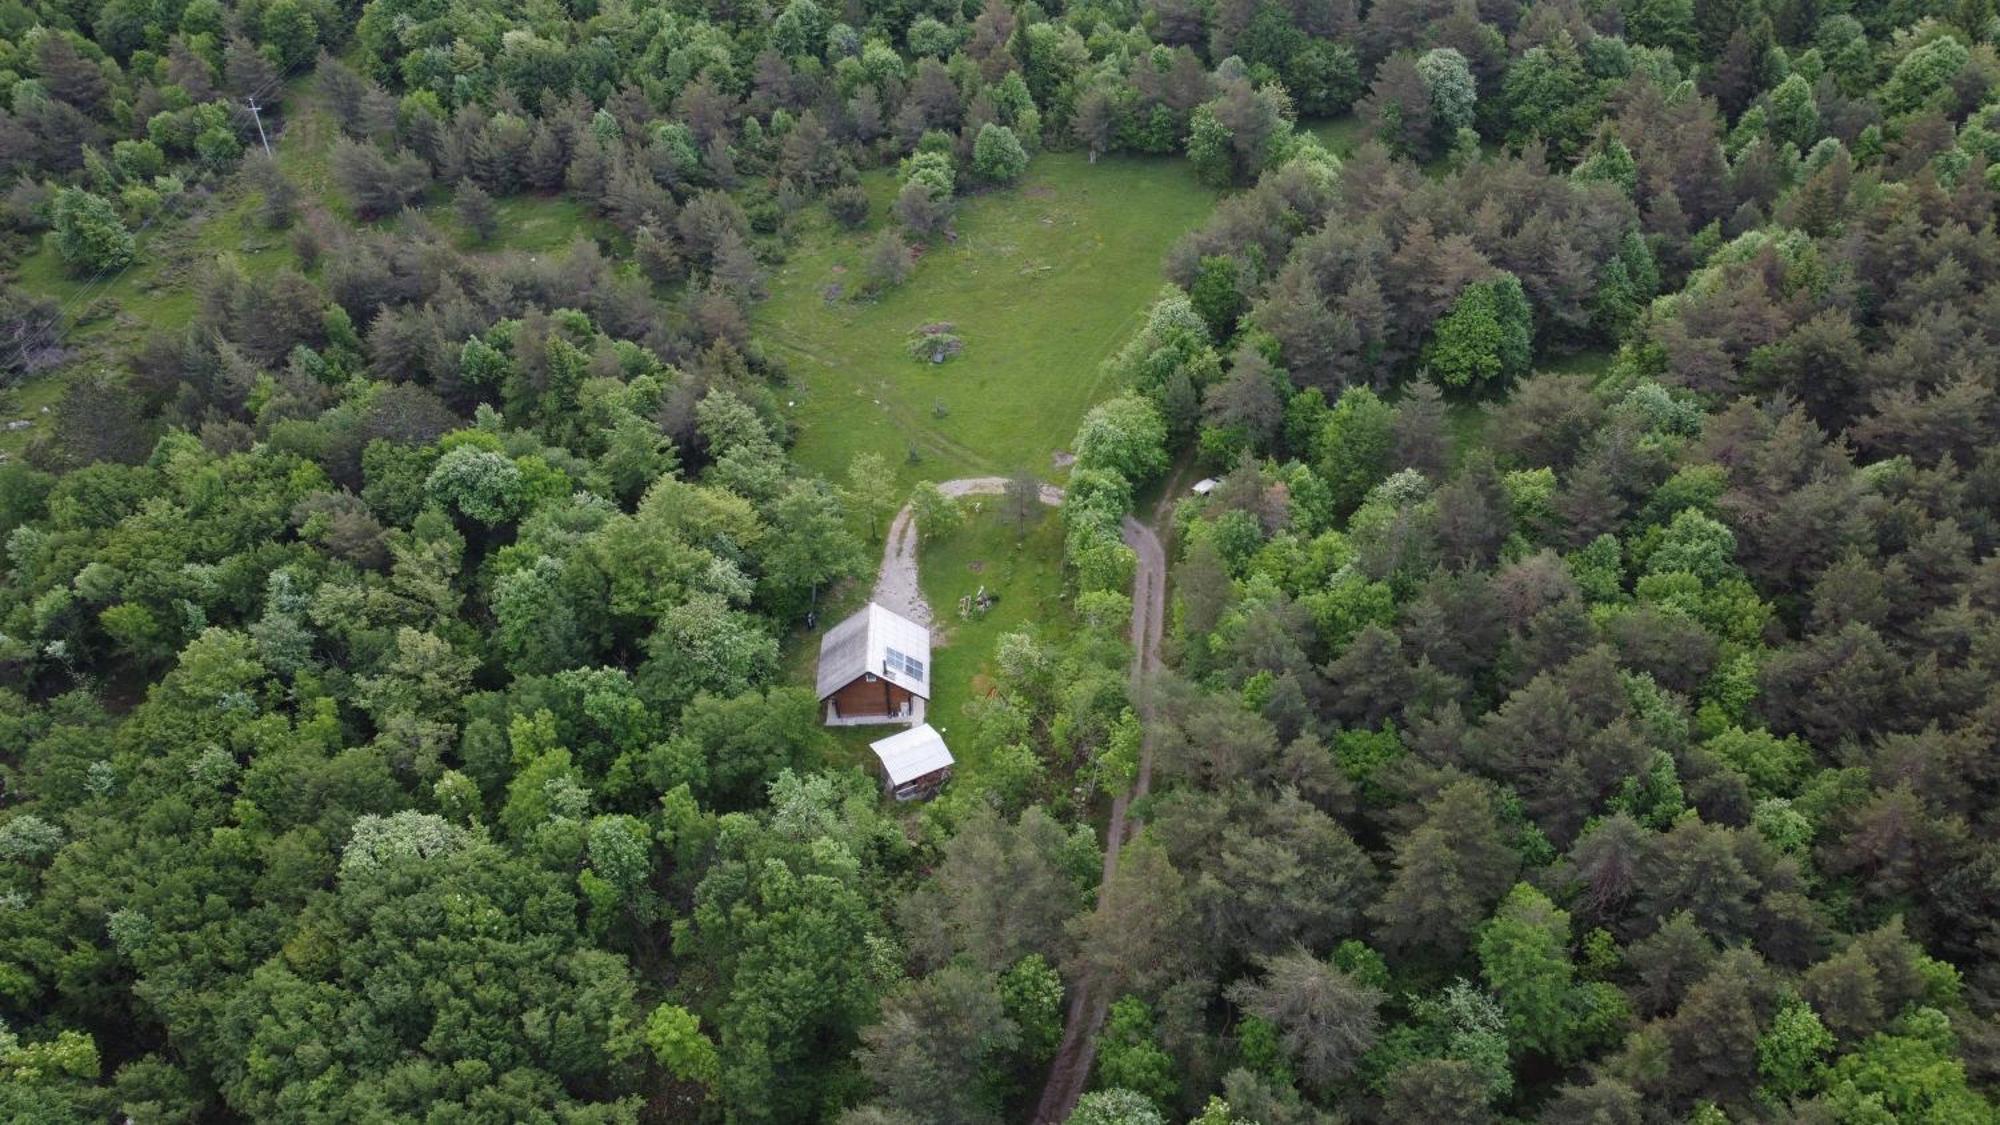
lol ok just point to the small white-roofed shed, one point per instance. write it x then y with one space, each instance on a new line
915 762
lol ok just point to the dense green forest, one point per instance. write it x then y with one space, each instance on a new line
430 462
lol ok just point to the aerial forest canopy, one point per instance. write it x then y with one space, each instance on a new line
1580 699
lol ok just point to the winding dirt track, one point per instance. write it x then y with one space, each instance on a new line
1070 1070
896 588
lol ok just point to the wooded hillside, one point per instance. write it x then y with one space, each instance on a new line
1582 688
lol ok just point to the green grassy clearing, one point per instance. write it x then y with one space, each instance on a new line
1339 135
1469 419
1594 362
1342 135
1045 280
1467 422
111 312
541 225
1025 571
106 312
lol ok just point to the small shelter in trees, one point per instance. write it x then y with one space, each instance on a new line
1204 486
915 762
875 667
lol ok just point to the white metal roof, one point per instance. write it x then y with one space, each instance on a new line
864 643
908 755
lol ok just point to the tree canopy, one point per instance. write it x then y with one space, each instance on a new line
1576 700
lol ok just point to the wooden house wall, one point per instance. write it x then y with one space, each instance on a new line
860 697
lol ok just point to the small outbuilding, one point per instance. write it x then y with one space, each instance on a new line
915 762
1204 486
874 667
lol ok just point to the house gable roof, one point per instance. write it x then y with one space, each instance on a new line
908 755
879 642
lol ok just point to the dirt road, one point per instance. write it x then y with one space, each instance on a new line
1070 1071
896 586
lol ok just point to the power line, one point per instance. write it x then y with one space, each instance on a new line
64 309
259 118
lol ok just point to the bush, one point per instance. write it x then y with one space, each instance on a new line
935 343
138 160
921 210
1488 337
1123 434
888 264
849 206
139 201
937 515
89 235
218 146
997 155
929 180
933 170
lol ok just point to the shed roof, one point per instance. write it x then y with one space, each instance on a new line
908 755
1204 486
876 641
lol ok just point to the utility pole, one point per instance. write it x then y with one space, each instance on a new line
259 118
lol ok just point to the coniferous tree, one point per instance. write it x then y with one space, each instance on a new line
476 211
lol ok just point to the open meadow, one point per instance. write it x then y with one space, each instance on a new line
1043 281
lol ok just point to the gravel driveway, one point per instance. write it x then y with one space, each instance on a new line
896 586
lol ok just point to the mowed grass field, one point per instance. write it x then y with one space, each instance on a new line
1044 280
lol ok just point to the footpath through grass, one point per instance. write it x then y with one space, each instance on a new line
1044 280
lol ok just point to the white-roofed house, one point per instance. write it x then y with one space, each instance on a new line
915 762
875 667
